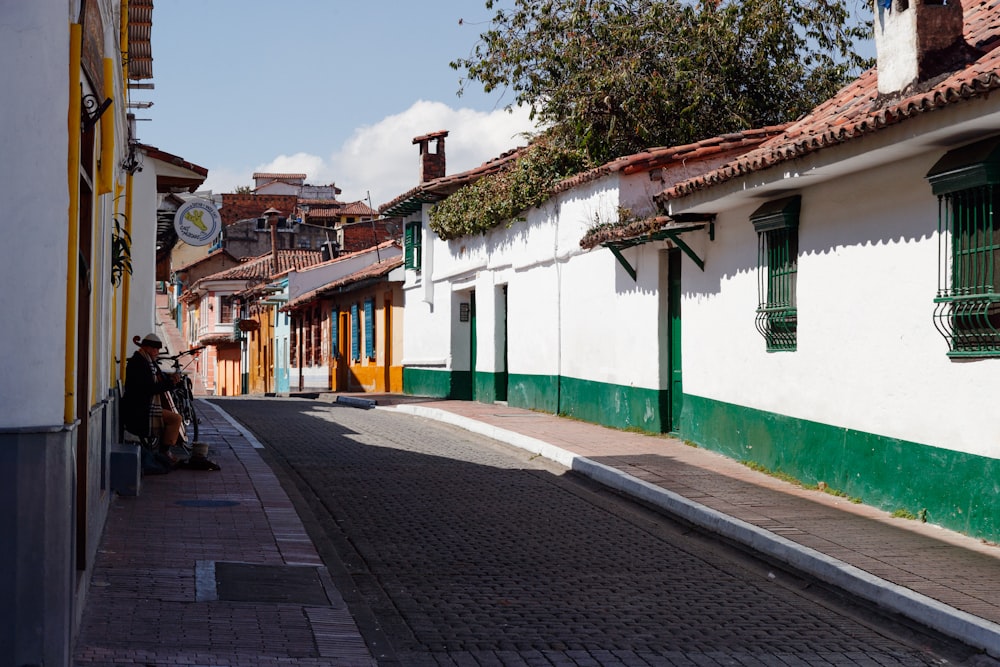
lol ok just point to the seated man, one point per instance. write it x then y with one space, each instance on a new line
146 407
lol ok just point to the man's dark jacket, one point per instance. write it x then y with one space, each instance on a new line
140 387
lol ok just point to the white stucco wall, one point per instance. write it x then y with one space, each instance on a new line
34 47
569 311
868 357
611 323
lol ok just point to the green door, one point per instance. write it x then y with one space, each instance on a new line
674 331
501 383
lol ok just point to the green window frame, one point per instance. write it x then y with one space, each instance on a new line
355 334
370 328
412 242
777 227
967 305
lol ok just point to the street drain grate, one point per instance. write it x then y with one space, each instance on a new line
243 582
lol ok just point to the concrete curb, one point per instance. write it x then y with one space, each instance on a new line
971 630
254 442
356 402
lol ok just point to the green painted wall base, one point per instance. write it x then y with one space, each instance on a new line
956 490
533 392
489 387
611 405
437 383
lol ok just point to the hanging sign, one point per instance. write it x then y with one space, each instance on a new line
197 222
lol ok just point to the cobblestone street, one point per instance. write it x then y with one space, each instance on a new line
450 548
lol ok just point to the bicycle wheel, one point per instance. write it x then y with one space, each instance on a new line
184 410
188 413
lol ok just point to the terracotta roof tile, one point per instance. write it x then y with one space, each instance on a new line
654 158
324 212
259 268
439 188
858 110
304 201
357 208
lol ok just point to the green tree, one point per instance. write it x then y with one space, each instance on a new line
613 77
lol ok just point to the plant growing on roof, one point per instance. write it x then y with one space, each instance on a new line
501 197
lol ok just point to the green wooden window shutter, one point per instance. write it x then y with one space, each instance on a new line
777 226
370 328
967 306
355 334
412 243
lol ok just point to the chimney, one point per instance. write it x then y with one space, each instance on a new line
431 164
272 219
918 39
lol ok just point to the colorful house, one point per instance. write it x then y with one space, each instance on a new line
346 325
238 331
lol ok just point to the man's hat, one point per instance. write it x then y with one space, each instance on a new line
151 340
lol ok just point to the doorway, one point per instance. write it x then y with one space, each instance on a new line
473 348
676 388
387 343
502 377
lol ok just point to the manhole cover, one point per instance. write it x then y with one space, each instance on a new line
207 503
242 582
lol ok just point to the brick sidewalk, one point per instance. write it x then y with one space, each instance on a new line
171 586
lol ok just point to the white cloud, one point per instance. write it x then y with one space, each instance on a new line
381 159
227 179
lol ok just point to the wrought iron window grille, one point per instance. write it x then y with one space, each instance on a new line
776 224
967 304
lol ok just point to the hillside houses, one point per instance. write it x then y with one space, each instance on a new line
228 299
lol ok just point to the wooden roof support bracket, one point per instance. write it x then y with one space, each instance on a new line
673 235
616 250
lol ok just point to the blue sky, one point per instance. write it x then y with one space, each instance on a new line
336 89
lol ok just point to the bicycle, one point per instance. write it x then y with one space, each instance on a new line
183 396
